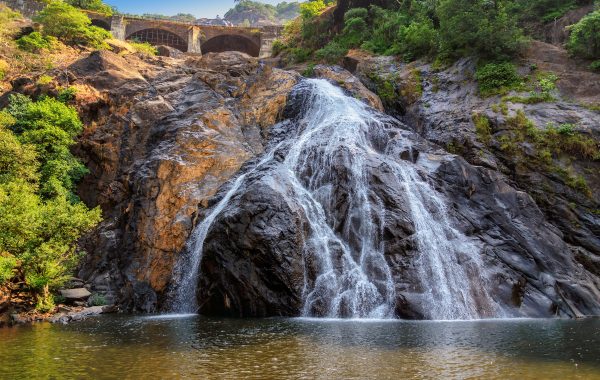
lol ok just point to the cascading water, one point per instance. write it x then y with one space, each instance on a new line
346 272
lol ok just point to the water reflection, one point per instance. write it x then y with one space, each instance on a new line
190 346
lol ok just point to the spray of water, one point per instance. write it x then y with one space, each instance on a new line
346 273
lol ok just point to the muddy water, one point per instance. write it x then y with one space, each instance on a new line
136 347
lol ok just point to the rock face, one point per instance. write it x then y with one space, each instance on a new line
262 257
366 216
160 138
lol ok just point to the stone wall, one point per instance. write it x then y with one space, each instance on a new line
28 9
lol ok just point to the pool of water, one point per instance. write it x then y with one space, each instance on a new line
190 346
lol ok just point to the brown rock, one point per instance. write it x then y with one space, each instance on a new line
4 299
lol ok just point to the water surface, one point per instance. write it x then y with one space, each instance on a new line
191 346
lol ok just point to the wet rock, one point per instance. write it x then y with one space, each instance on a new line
346 80
21 319
65 318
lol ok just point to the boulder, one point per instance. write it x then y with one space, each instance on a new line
118 46
167 51
78 294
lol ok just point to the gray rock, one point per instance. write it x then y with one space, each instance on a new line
78 294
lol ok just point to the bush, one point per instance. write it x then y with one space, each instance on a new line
585 38
143 47
482 128
92 5
49 126
475 25
97 300
495 76
332 52
70 25
35 42
38 228
276 48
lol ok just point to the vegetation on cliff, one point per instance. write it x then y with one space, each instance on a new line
41 217
443 31
585 38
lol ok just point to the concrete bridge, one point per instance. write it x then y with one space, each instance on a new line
191 38
186 37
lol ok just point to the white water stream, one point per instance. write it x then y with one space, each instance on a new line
346 273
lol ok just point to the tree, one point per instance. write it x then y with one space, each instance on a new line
479 25
68 24
49 126
38 228
92 5
585 38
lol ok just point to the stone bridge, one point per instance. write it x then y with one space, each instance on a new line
191 38
183 36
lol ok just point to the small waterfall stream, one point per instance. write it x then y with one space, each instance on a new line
346 273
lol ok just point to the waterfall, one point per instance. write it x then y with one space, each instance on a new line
346 272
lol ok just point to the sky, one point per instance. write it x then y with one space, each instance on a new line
198 8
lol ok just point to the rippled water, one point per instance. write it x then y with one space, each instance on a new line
136 347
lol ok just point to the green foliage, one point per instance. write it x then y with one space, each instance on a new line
36 43
311 9
39 218
482 26
92 5
6 268
44 79
66 94
332 52
308 72
50 127
97 300
276 48
497 77
143 47
585 38
70 25
482 128
58 299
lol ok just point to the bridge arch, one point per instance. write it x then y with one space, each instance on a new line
101 24
160 36
230 42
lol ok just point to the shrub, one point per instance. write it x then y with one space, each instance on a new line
276 48
585 38
49 126
44 79
143 47
92 5
420 39
332 52
36 43
97 300
66 94
494 77
482 128
68 24
474 25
